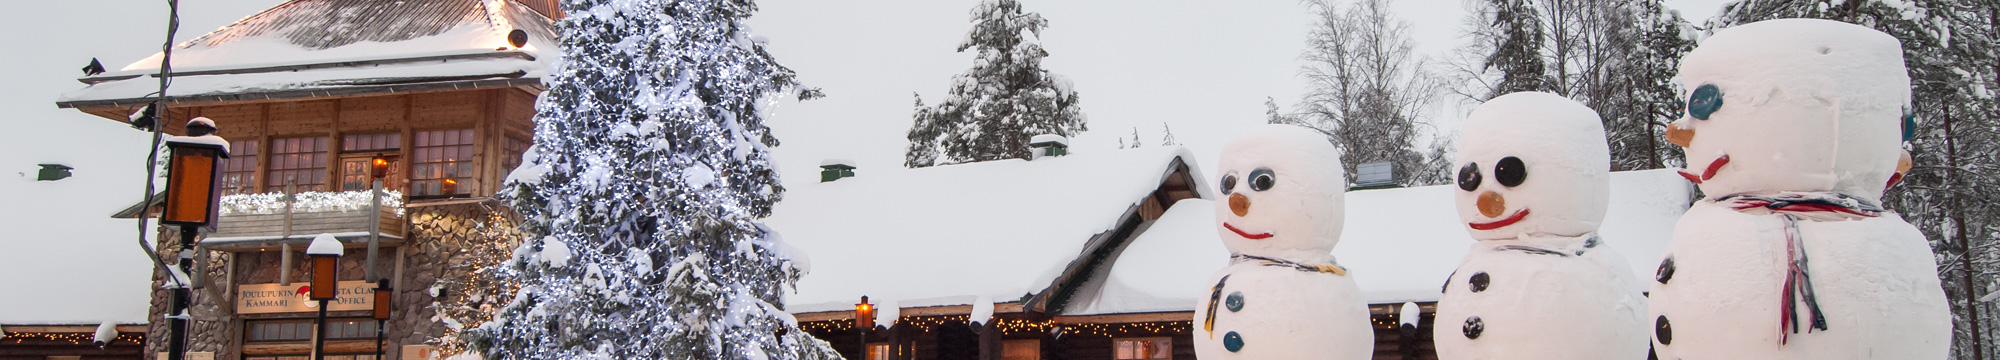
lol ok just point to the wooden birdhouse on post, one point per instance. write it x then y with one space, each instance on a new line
1047 145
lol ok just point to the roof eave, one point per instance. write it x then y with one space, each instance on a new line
530 84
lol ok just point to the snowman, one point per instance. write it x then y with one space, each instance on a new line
1539 283
1282 296
1792 133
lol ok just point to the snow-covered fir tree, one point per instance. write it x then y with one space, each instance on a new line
1167 135
1006 98
642 195
1516 48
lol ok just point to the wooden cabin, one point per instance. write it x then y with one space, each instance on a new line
308 93
1104 255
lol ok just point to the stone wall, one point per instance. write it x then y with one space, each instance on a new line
447 243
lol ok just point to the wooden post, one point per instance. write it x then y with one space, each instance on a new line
374 228
285 246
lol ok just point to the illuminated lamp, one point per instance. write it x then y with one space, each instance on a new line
378 167
864 314
192 165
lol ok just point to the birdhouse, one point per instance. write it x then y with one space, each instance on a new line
1046 145
1375 175
53 172
834 169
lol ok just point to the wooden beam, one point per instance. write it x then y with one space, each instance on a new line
70 328
293 95
1127 318
305 347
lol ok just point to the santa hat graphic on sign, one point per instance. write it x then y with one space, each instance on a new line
304 294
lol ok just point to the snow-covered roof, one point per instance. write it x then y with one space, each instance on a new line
1400 244
331 47
947 235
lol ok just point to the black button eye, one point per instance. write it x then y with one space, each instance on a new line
1704 101
1510 171
1262 179
1228 183
1469 178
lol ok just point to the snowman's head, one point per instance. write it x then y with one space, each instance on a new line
1793 105
1283 194
1532 163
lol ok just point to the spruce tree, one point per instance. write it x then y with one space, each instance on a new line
642 195
1006 98
1518 53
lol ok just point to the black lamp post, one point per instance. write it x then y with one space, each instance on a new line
864 319
325 252
382 307
192 166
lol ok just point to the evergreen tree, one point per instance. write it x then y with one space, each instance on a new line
1167 135
993 109
1517 55
642 195
1950 47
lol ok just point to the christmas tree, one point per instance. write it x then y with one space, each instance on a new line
642 194
1005 99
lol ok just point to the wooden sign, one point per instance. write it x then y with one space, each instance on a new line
274 298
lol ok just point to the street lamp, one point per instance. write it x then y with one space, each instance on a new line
864 319
325 252
192 166
382 307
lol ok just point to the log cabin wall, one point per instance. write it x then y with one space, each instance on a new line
493 115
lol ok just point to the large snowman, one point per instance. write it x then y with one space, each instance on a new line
1792 132
1282 296
1533 177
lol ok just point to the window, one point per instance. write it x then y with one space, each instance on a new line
1144 348
302 329
512 147
357 151
879 352
1024 349
301 160
239 172
443 160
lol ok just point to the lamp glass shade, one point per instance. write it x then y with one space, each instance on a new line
864 316
378 167
325 277
382 298
190 186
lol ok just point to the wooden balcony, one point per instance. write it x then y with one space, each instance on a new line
265 221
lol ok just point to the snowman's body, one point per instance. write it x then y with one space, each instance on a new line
1793 134
1723 298
1282 296
1539 283
1576 299
1284 313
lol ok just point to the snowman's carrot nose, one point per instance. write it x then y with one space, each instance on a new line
1239 204
1680 133
1492 204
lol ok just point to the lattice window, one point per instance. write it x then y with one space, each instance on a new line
443 159
302 160
239 172
512 147
359 150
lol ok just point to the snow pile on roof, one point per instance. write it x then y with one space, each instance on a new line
324 44
947 235
1400 244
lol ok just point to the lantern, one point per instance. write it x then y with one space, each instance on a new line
382 298
450 187
378 167
193 163
325 252
864 314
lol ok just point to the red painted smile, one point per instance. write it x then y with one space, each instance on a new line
1510 220
1710 173
1232 228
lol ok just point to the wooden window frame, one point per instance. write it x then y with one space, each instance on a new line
422 184
276 179
243 164
1116 343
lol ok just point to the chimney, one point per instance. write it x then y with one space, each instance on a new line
1047 145
834 169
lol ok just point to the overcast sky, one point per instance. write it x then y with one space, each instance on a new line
1203 68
